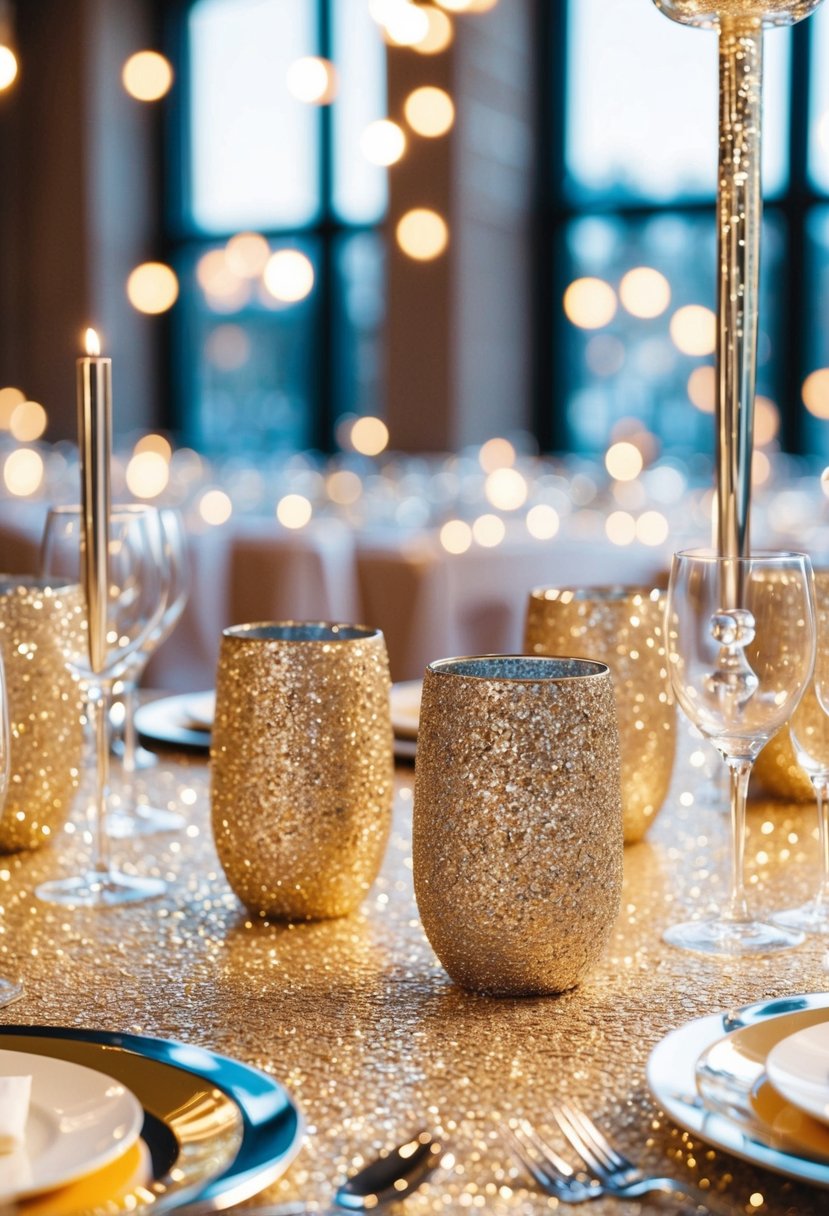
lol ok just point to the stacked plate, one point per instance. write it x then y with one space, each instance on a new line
186 720
754 1082
124 1122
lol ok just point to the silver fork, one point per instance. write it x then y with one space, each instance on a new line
614 1173
548 1170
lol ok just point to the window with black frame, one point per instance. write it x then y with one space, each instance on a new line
275 231
631 230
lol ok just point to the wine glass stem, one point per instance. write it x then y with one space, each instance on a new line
822 897
128 701
739 773
99 699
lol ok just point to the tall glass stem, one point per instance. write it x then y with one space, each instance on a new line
821 790
99 698
739 214
129 733
739 773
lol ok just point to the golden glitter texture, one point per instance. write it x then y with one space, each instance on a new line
623 627
36 623
776 768
302 766
517 837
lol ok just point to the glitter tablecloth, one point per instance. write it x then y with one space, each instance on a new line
361 1023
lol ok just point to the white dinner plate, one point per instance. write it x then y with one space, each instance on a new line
79 1120
405 708
672 1079
198 710
798 1066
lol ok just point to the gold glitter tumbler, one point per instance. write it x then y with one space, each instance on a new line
517 843
302 769
36 620
623 627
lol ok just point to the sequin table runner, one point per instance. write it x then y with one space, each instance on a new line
361 1023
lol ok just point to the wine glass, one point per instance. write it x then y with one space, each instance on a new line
741 648
9 989
134 604
138 818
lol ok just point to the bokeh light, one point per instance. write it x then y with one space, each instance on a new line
147 76
506 489
8 67
148 474
623 461
652 528
152 288
405 24
760 468
312 80
228 347
496 453
215 507
456 536
369 436
153 442
247 254
589 303
645 292
702 389
766 421
694 330
816 392
344 487
620 528
23 472
10 398
422 234
294 511
429 111
224 288
383 142
438 35
28 421
289 276
489 531
543 521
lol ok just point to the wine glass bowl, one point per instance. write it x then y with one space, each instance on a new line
740 635
709 13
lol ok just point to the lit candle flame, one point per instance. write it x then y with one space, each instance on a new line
93 343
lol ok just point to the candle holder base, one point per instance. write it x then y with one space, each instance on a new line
95 889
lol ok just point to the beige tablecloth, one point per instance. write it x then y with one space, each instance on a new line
359 1020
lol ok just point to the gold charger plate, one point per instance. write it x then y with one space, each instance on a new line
216 1131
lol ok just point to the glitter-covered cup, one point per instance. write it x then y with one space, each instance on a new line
517 841
623 627
302 767
37 620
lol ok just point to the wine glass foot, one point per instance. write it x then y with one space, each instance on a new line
9 991
100 890
142 821
732 939
809 918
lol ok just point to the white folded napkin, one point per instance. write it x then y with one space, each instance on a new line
15 1093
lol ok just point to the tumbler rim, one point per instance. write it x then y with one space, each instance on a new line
330 631
608 593
591 668
712 557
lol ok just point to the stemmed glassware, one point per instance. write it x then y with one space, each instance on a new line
138 818
133 607
741 647
9 989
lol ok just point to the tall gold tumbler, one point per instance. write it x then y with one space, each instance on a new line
623 627
37 619
517 839
302 768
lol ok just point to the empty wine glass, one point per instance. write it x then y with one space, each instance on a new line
9 989
741 647
134 604
138 818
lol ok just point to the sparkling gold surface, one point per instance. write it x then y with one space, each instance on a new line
357 1017
517 844
36 622
710 12
622 627
302 770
